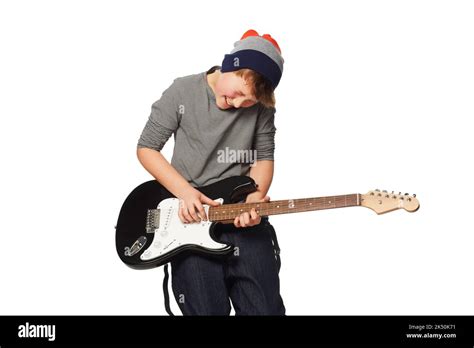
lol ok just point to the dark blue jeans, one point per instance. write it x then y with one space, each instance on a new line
248 277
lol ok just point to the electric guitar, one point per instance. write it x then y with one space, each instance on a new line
149 232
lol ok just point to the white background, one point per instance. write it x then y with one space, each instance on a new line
375 94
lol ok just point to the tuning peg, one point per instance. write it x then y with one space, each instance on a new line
384 191
414 195
393 192
377 190
406 194
400 193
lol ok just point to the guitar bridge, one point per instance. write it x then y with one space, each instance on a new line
152 220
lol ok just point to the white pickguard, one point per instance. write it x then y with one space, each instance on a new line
172 233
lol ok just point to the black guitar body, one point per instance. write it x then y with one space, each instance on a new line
132 220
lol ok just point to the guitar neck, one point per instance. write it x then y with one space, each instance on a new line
230 211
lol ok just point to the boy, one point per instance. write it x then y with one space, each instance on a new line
228 107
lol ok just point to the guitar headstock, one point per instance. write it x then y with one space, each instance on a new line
383 202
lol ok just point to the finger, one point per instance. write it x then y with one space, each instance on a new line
241 221
253 215
254 218
201 211
186 215
207 200
180 215
266 199
237 221
244 219
247 218
192 212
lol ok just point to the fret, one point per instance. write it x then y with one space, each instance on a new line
230 211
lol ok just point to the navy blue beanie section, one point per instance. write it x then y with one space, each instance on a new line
259 53
254 60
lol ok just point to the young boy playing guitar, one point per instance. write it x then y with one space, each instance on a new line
227 110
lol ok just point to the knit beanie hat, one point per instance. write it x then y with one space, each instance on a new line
259 53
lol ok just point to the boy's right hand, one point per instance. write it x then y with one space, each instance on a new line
190 206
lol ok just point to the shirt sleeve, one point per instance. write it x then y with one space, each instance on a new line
162 122
264 137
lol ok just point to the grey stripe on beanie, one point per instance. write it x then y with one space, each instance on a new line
262 45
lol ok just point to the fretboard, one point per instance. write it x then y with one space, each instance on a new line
230 211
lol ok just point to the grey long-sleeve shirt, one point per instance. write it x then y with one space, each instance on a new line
210 144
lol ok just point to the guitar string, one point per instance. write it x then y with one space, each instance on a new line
285 202
230 211
280 206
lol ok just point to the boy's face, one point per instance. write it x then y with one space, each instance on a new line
233 91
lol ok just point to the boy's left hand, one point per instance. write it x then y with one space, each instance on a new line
251 218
